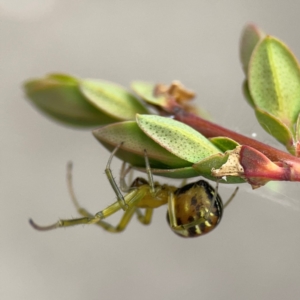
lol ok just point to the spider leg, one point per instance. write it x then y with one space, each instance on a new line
144 218
82 211
149 173
130 200
215 197
213 201
231 197
186 230
216 194
184 182
90 220
191 222
122 224
172 217
127 203
124 171
112 181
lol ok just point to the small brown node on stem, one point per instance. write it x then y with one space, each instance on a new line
178 93
176 90
232 167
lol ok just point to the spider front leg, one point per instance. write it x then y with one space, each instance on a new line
124 171
89 218
98 217
128 202
112 181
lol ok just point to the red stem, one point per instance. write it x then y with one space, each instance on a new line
209 129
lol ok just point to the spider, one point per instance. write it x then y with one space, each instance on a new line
193 209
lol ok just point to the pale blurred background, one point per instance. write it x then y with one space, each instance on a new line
253 254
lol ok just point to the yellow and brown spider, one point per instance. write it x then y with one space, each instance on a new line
193 209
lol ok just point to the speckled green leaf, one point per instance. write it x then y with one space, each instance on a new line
146 91
58 96
276 128
111 98
224 143
247 94
63 78
297 138
250 37
187 172
274 80
176 137
134 142
205 166
298 129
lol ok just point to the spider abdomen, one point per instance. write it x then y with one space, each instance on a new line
197 209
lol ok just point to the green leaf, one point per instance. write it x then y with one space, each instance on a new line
58 96
247 94
297 138
251 35
146 91
298 129
205 166
187 172
111 98
276 128
176 137
224 143
274 80
135 141
63 78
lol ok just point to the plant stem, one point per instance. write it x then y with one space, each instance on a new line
209 129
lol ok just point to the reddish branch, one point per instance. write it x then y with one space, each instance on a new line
256 172
209 129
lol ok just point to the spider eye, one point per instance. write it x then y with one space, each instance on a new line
197 209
